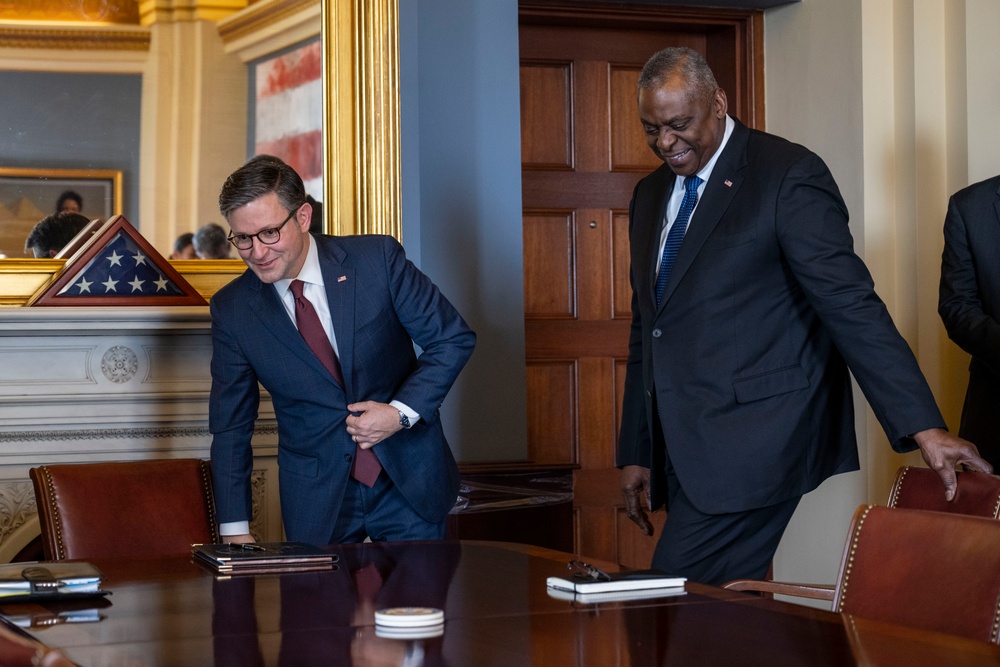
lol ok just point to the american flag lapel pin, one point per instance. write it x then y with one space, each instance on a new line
729 183
341 279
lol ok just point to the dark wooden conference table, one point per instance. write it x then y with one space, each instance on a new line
172 611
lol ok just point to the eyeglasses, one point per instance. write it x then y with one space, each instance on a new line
268 236
583 570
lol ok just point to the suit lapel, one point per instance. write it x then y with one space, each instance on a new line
996 205
722 186
662 180
339 281
267 307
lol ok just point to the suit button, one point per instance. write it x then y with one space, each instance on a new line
348 457
657 333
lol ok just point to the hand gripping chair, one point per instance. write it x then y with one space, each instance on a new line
978 494
925 570
132 509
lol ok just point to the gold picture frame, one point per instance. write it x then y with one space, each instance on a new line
360 118
29 194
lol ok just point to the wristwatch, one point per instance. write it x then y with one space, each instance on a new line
404 421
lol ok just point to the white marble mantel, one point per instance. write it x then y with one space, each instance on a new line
82 384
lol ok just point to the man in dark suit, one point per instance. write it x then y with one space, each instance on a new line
346 385
969 304
737 392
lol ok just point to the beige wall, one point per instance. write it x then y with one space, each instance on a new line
900 97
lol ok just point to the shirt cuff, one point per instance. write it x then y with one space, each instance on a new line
406 410
234 528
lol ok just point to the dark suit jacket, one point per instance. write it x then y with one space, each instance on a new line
379 303
969 305
743 363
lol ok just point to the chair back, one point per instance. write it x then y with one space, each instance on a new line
978 493
926 570
132 509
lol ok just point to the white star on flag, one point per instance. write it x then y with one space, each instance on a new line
109 285
137 284
139 258
115 259
84 285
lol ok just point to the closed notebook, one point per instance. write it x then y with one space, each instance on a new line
617 581
263 556
37 580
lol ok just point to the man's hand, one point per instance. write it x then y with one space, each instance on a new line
635 483
943 452
375 423
237 539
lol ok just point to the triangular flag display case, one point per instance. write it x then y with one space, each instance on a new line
116 266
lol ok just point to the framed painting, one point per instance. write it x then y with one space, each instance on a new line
29 194
287 111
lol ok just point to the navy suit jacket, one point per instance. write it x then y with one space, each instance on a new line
969 305
739 376
380 304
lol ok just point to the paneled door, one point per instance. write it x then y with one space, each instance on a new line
582 152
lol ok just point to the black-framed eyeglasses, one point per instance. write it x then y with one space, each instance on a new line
583 570
268 236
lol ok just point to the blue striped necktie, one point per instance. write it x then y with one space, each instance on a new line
676 234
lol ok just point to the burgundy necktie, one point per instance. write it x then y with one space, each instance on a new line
366 466
368 581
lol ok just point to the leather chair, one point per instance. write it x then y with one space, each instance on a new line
925 570
978 494
132 509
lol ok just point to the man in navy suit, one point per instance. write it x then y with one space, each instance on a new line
969 305
327 325
737 392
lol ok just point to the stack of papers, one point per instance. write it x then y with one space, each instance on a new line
32 581
263 557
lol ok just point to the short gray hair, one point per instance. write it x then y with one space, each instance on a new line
686 62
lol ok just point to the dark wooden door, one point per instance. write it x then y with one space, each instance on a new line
582 152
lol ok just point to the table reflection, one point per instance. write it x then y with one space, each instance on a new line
331 614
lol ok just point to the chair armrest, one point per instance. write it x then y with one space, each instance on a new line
811 591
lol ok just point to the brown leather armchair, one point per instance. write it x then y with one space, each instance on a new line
978 494
131 509
926 570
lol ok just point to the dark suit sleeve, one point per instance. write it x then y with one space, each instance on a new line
816 242
233 404
445 340
959 298
634 442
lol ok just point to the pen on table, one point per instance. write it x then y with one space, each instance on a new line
247 547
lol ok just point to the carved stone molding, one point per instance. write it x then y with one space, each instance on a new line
120 433
119 364
17 505
258 505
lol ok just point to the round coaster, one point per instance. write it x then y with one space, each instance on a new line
409 617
